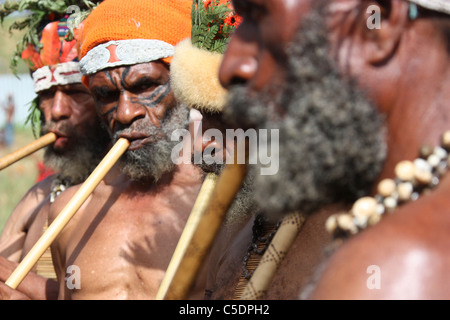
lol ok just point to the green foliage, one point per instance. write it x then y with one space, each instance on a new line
41 12
34 117
209 30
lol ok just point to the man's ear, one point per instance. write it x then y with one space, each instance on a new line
381 40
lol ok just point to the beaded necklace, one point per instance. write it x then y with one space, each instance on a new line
412 179
59 185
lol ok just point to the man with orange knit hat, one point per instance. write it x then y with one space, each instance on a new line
119 245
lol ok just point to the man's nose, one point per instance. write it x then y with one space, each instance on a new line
128 110
61 109
239 64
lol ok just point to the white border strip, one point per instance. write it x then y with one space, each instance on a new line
129 52
58 75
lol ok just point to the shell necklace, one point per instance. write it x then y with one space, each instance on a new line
412 179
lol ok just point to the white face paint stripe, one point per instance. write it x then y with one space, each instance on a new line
123 53
61 74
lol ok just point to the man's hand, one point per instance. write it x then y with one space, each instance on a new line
7 293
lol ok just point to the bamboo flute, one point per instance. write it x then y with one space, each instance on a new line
67 213
27 150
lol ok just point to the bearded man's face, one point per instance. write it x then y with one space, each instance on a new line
331 138
137 103
69 112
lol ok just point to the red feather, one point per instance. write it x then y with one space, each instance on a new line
51 44
32 58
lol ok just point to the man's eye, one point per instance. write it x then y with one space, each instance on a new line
47 94
143 87
106 95
75 91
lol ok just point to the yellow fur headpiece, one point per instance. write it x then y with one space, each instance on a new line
195 77
195 65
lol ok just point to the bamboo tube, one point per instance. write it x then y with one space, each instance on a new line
272 258
67 213
196 215
197 238
25 151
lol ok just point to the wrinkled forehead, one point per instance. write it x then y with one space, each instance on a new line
155 71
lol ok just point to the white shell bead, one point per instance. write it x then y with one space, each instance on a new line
440 152
373 220
365 207
446 139
345 221
405 170
422 165
331 224
386 187
405 189
390 203
433 160
423 171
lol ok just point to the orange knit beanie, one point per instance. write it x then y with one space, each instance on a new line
168 21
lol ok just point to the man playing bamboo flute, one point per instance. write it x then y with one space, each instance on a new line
356 88
119 244
65 107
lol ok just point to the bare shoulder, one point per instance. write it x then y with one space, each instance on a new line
34 196
68 194
61 201
404 257
26 207
17 227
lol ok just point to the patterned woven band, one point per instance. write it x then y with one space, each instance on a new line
124 53
54 75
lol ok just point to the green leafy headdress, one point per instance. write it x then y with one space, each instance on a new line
65 16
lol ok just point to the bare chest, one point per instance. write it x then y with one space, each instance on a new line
122 248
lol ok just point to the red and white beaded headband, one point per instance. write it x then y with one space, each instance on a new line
61 74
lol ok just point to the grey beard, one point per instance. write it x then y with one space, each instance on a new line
152 161
332 144
77 164
243 205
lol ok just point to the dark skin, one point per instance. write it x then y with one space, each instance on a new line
255 56
70 109
146 218
71 105
414 103
145 89
415 265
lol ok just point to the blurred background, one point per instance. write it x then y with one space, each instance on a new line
16 93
